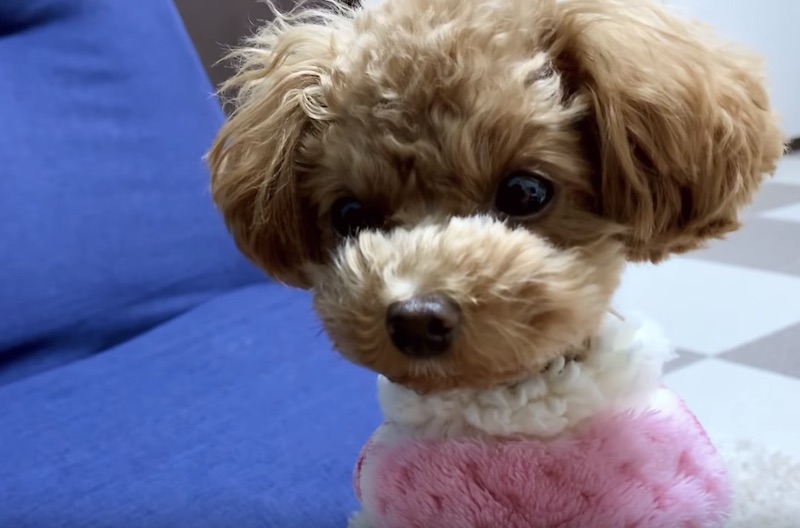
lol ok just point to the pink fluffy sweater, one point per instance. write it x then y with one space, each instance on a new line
595 444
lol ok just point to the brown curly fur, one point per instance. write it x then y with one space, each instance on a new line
654 133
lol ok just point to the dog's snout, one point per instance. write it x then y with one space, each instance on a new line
423 326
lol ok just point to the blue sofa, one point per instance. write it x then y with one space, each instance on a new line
149 377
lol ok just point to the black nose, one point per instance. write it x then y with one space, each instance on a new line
423 326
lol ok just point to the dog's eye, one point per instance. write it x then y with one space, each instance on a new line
523 193
349 217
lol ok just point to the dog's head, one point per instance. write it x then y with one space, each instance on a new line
460 183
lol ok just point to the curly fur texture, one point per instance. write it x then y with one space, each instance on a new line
653 132
622 370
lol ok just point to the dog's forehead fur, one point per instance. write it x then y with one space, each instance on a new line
442 46
425 99
427 120
402 155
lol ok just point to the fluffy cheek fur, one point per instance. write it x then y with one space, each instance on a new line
523 301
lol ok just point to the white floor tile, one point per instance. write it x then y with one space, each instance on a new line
739 402
790 213
709 307
788 172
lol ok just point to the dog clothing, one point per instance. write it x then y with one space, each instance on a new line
592 443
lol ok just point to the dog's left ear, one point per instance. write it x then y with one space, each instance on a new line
681 123
254 171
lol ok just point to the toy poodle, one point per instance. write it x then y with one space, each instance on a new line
461 183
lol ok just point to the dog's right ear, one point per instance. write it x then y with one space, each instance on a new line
680 119
278 100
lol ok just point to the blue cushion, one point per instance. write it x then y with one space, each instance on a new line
106 224
236 414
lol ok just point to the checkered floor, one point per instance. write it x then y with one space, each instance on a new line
733 310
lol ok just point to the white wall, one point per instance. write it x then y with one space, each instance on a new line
769 27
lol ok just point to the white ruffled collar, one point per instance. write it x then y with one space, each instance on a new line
621 370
